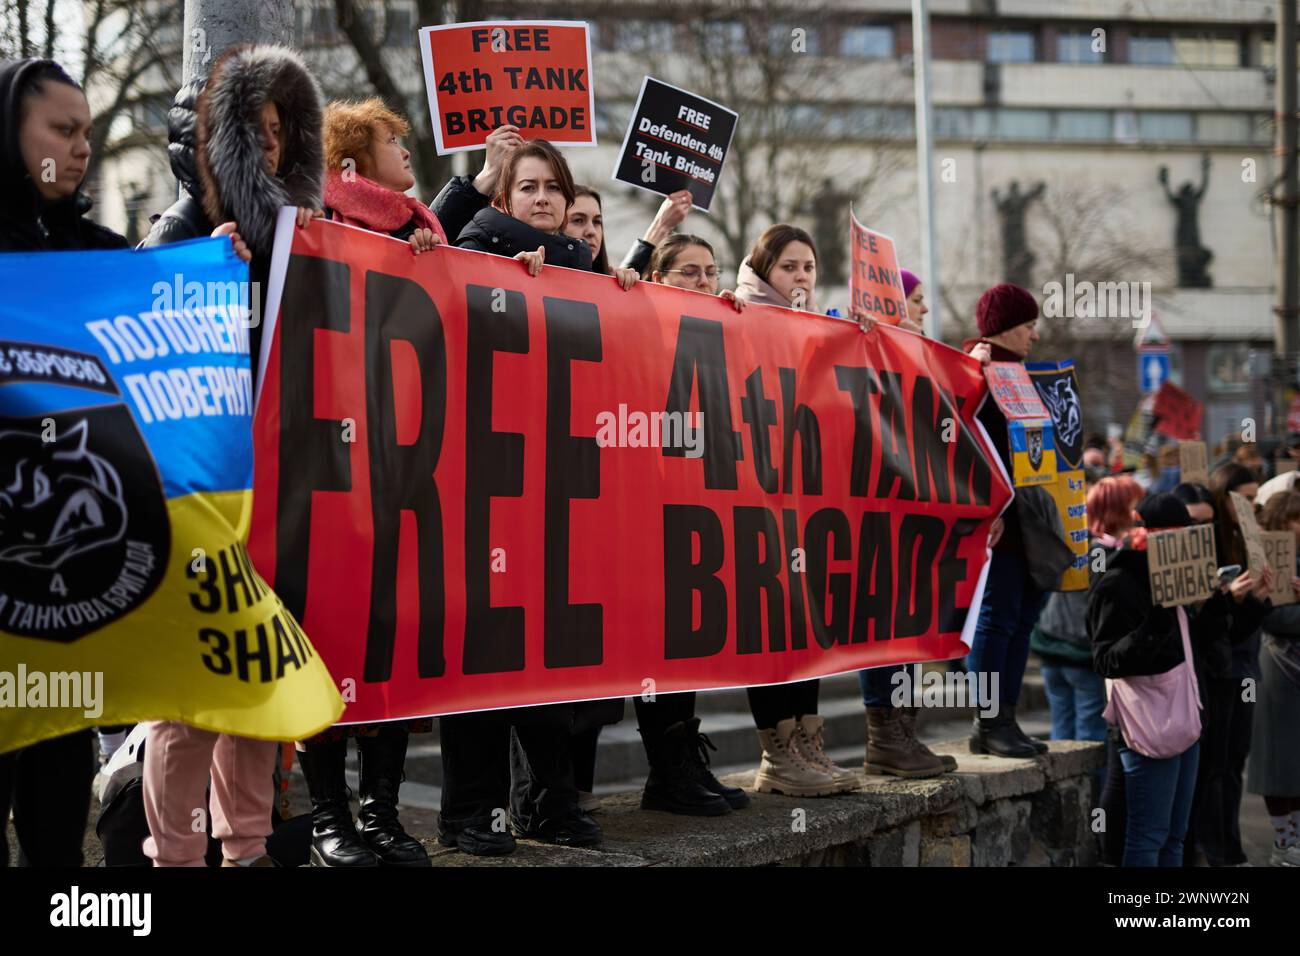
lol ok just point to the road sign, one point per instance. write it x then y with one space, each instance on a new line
1153 370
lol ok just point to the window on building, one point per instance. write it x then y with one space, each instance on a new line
807 119
1011 46
725 38
1083 125
867 42
1023 124
1223 127
1126 126
1076 46
1267 56
1205 49
1227 367
1151 50
645 36
875 122
1165 127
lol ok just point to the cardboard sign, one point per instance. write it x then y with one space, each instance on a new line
1250 533
875 284
1279 549
534 74
675 140
1013 390
474 549
1192 462
1178 415
1182 565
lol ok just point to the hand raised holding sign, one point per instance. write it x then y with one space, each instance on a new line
672 213
501 142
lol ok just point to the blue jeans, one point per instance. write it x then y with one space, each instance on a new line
878 685
1077 696
1008 613
1159 797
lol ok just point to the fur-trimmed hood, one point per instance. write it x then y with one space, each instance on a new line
235 183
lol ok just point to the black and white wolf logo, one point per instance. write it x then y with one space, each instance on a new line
1063 403
1034 446
57 499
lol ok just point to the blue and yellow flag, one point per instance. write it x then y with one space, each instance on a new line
1033 451
126 467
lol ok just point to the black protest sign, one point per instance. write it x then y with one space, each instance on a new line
675 140
1182 563
1059 389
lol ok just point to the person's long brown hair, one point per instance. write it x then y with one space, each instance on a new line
1282 509
1224 480
667 251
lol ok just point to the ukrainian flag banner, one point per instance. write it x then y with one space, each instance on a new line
126 466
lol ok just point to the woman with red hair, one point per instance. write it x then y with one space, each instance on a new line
1076 693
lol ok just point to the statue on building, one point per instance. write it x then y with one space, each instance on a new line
830 211
1017 260
1192 256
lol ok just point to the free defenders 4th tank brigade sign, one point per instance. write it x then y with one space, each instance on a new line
675 140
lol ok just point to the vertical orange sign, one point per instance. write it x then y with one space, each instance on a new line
875 285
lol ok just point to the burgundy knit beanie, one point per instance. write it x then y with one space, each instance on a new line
1004 307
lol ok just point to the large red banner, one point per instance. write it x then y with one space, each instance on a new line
481 489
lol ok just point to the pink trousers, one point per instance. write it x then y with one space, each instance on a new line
178 760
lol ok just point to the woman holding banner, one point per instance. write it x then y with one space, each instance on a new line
45 121
586 221
521 757
367 174
1132 637
781 270
258 148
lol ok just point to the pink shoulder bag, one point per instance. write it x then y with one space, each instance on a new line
1160 714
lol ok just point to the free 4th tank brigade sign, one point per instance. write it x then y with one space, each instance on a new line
532 74
1182 563
675 140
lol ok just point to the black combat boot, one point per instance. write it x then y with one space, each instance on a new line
334 838
675 784
382 760
698 746
997 736
1038 745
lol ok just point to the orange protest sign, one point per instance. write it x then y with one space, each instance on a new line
534 74
875 285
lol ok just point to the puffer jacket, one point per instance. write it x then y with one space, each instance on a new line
28 221
235 184
185 218
1133 637
492 230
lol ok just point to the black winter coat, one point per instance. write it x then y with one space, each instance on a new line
185 218
457 204
493 231
29 222
1132 637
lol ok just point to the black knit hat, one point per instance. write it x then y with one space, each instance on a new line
1163 511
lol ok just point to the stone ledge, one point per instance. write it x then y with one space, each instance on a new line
991 812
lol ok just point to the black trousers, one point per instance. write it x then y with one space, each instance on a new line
773 704
1225 744
48 785
653 717
517 759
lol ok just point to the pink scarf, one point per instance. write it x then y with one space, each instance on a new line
363 202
